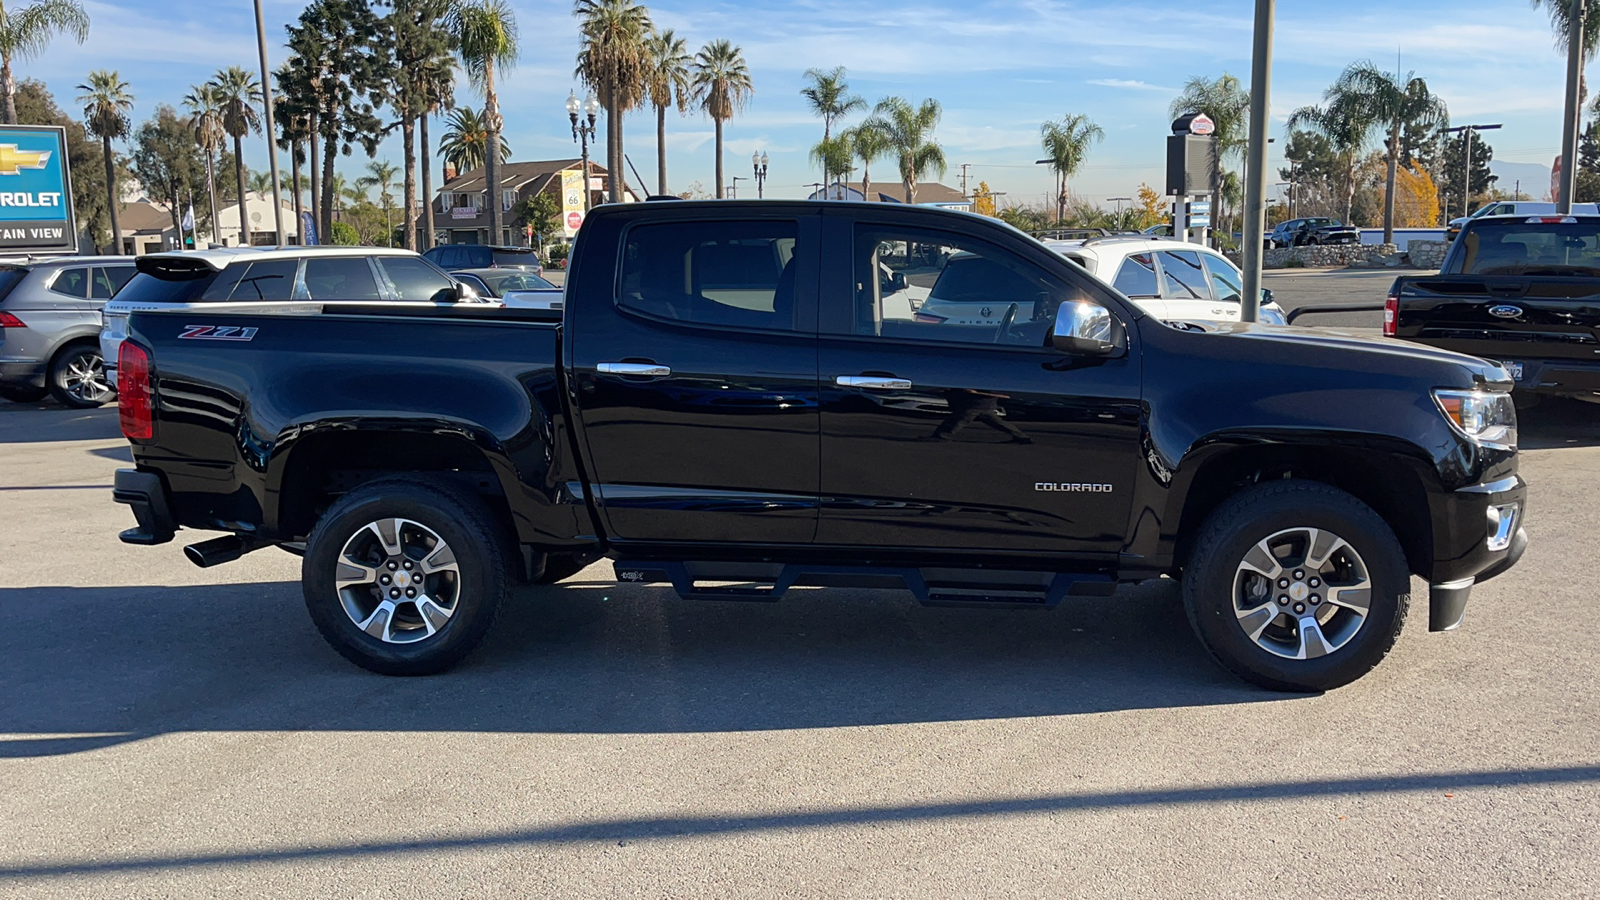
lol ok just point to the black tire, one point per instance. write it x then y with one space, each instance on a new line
1264 510
482 552
22 393
561 566
63 382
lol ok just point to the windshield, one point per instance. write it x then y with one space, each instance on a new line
1520 247
502 280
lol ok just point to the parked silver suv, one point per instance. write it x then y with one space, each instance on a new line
50 326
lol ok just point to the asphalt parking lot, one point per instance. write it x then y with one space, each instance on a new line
172 731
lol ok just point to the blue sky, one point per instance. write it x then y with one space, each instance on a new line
999 69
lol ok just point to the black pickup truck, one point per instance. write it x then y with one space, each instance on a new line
733 403
1521 290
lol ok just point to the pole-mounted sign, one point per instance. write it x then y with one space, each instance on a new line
35 190
1192 156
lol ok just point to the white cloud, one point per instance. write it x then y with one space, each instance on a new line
1131 85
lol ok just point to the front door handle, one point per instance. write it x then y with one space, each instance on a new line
874 382
646 370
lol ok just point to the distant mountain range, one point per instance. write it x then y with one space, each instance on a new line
1534 178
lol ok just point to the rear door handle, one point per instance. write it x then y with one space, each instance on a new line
647 370
873 382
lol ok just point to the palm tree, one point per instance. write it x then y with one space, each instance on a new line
1227 104
869 144
25 33
260 182
205 120
106 103
835 155
237 93
829 96
1066 143
668 86
1346 125
462 145
1393 101
909 135
436 82
381 174
486 35
722 86
1561 23
614 60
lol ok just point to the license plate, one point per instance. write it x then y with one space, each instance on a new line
1515 368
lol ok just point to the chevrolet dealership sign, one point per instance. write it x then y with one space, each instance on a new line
35 190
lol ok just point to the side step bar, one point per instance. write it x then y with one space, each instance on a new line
990 588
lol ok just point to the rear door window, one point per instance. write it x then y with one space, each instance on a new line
414 279
1182 277
729 273
72 282
118 276
341 278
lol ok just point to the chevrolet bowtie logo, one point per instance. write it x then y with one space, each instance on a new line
13 160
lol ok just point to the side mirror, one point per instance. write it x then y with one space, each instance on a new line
1266 296
1084 328
897 283
466 293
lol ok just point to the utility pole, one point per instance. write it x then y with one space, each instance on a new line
964 168
1255 183
1569 123
272 136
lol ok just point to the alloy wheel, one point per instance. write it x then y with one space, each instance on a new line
1302 593
398 581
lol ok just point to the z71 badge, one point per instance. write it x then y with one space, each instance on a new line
217 333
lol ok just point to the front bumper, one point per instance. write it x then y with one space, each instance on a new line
1478 533
147 495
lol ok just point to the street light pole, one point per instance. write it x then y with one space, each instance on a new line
272 137
582 132
1466 132
1255 210
758 162
1569 123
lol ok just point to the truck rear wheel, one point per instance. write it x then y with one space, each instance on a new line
1296 586
405 576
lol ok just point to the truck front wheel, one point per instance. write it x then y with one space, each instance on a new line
404 576
1296 586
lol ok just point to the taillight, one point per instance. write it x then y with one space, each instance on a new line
7 320
134 402
929 318
1391 313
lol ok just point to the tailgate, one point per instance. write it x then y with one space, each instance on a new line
1504 316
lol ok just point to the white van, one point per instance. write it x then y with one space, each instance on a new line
1515 208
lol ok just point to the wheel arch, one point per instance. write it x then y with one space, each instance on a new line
1393 481
314 464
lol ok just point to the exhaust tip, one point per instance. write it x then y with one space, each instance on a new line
215 551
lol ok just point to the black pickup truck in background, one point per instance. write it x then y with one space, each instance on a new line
1521 290
734 401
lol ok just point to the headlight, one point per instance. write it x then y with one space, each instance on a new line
1269 316
1489 419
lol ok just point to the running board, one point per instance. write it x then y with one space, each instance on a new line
990 588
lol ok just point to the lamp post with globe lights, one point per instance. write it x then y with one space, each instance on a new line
758 161
583 132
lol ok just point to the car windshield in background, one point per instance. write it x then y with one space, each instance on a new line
1524 247
502 280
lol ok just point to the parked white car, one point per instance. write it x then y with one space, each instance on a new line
1168 279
